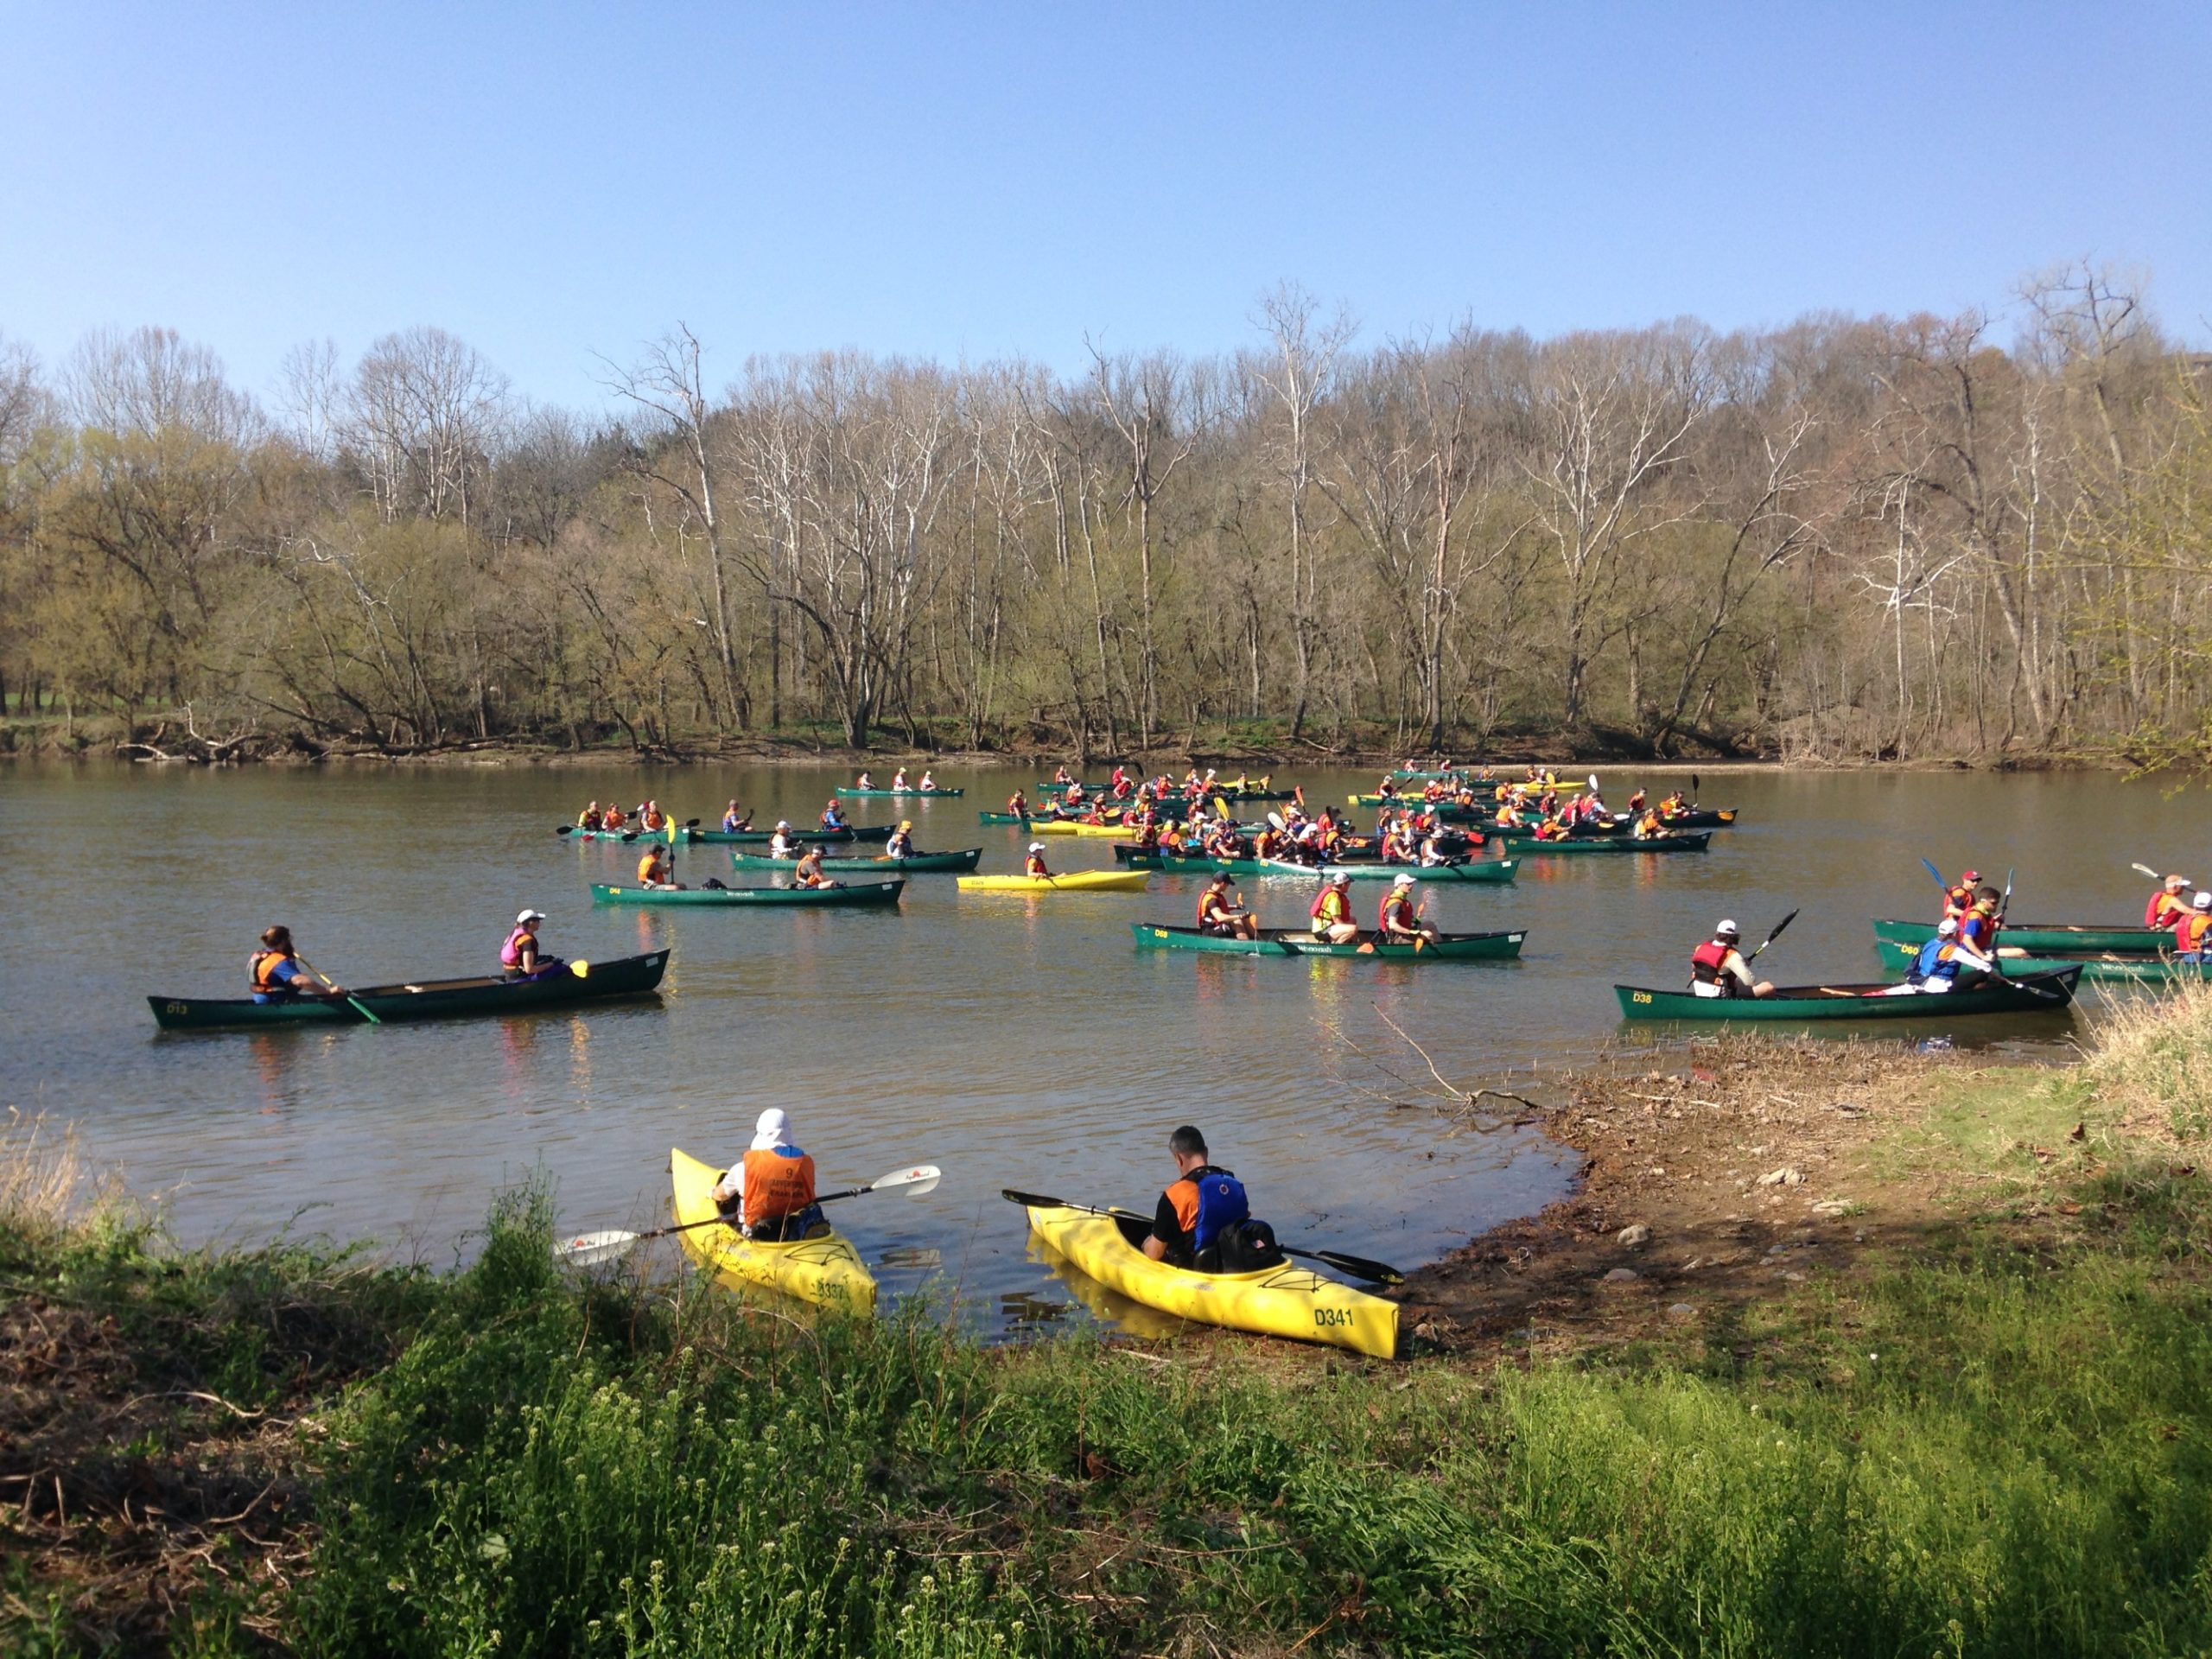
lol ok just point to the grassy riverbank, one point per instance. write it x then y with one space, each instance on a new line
1997 1441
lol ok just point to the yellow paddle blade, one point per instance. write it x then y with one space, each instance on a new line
579 968
1220 807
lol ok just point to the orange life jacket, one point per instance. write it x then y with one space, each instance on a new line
263 967
1397 909
1210 906
776 1185
655 821
2162 910
646 864
2191 932
613 820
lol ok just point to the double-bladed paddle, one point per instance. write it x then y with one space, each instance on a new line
1771 938
1929 865
1378 1273
588 1249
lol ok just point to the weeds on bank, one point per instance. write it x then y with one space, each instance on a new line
2153 1058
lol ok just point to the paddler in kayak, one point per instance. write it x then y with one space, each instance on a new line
1332 912
521 956
1718 967
1219 913
2167 905
654 871
769 1194
277 973
588 818
1204 1219
1034 864
1399 921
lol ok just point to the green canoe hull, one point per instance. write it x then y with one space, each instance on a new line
1491 869
2039 937
897 794
761 837
1898 958
1582 845
919 863
1137 860
1289 942
452 999
1792 1004
859 893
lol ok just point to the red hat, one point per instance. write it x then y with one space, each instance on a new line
1969 875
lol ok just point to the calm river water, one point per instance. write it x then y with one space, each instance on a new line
1016 1043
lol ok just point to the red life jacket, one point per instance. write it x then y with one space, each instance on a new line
1958 901
2162 909
1330 906
777 1183
2190 930
1035 866
1708 962
1210 905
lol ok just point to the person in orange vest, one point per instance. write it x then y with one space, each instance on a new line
653 869
1034 864
1636 801
769 1193
808 872
1399 922
1332 912
2167 905
1718 967
1958 902
277 973
614 818
1204 1219
1220 915
2193 932
652 817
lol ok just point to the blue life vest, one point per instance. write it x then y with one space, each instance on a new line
1222 1204
1935 960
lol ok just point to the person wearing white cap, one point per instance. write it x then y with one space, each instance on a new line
2193 932
771 1189
2167 905
780 844
1034 864
1332 912
1936 970
1400 921
521 957
1718 967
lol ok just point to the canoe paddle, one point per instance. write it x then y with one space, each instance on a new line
1378 1273
354 1003
588 1249
1771 938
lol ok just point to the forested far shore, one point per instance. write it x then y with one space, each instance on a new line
1842 540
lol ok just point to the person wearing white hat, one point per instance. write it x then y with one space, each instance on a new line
2193 932
1034 864
521 956
1332 912
1937 969
780 844
2167 905
1399 922
1718 967
769 1193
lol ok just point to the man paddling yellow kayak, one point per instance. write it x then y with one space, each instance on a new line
769 1193
1204 1220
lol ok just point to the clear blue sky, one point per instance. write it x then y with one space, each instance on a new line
976 181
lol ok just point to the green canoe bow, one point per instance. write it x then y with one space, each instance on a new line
2043 993
1489 869
1290 942
445 998
916 863
2064 937
858 892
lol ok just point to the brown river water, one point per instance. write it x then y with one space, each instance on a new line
1014 1042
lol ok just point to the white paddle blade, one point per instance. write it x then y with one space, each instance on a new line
589 1249
922 1178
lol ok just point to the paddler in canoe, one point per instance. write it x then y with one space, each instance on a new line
1332 912
928 785
1947 962
780 844
1017 804
808 872
655 871
2167 905
1958 902
833 817
1204 1220
733 821
1219 913
2193 932
1718 967
898 779
769 1194
1399 921
522 956
1978 927
900 843
651 819
278 975
867 781
613 819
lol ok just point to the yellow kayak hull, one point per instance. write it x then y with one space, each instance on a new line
1073 881
828 1272
1285 1302
1108 831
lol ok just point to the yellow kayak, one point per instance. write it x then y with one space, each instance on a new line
1073 881
1285 1302
828 1271
1110 831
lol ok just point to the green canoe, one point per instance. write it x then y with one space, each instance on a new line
442 999
1488 869
816 832
859 893
1581 844
2064 937
1001 818
2039 994
897 794
2100 964
1292 942
918 863
1199 865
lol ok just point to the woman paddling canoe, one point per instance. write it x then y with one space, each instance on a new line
277 974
